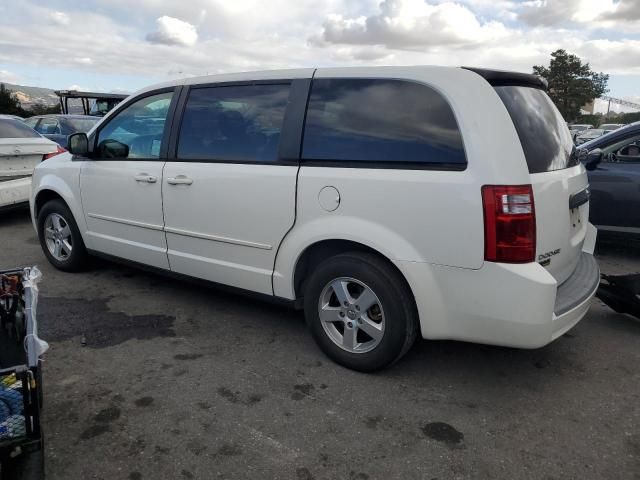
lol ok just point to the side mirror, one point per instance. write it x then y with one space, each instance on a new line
593 159
78 144
110 148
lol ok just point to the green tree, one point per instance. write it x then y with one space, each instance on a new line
572 84
9 103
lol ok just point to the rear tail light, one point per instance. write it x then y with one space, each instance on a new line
509 223
58 151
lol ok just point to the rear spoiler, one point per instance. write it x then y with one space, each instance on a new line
500 78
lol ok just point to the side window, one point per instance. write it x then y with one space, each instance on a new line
381 120
136 131
629 152
31 122
233 123
48 126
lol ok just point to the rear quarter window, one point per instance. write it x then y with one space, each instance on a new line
16 129
543 133
381 121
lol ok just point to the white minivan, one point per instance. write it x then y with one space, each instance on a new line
388 202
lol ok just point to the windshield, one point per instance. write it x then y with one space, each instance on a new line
593 133
579 128
544 135
10 128
82 124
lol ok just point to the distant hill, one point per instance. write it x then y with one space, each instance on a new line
30 96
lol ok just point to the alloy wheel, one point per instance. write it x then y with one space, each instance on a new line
351 315
57 235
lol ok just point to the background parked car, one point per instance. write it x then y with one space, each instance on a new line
12 117
609 127
615 181
21 149
59 127
578 128
588 135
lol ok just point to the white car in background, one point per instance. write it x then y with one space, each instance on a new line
21 149
609 127
589 134
578 128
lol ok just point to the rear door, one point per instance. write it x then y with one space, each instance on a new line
229 193
615 186
559 181
121 184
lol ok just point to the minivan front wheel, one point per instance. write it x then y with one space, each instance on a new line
360 311
60 238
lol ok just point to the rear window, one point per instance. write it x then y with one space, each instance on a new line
16 129
82 124
385 121
543 133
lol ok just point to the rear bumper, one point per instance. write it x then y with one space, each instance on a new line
573 297
14 192
500 304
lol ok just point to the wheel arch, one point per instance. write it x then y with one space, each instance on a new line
43 196
319 251
52 188
315 253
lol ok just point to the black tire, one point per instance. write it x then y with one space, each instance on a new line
401 318
78 258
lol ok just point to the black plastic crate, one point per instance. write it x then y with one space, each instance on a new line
19 411
20 376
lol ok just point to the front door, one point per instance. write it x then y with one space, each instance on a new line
121 184
229 197
615 187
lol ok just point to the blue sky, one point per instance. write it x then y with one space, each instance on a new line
120 45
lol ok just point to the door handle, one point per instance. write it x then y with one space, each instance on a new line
145 177
179 180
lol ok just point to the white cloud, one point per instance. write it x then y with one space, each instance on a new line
625 11
9 77
409 24
244 35
172 31
60 18
83 60
621 56
607 14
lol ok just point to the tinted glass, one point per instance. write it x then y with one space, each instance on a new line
235 123
48 126
81 124
543 133
380 121
31 122
629 153
16 129
137 129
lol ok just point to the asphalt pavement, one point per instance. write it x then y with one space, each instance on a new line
151 378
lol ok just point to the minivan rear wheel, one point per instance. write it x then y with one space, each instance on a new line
360 311
60 238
